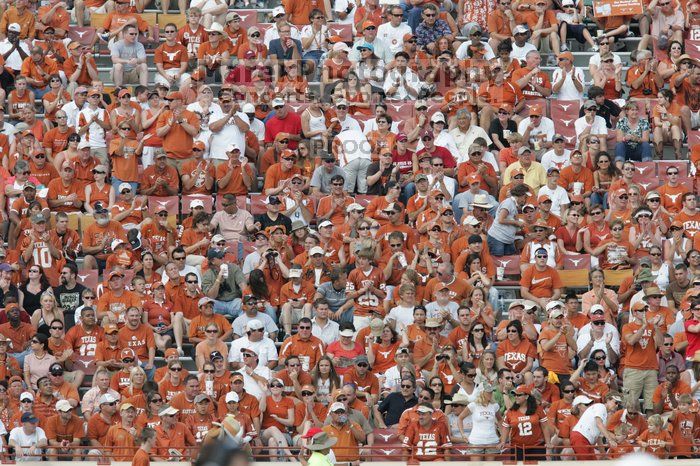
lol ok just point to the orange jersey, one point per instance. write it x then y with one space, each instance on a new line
525 430
427 443
192 39
657 444
139 340
368 302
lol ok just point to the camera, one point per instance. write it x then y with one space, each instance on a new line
271 254
441 357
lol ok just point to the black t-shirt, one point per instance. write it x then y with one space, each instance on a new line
266 221
69 300
379 188
497 129
394 405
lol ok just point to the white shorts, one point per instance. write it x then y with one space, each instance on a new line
171 72
695 119
88 11
147 155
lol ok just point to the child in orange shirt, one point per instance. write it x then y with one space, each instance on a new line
655 440
623 444
685 426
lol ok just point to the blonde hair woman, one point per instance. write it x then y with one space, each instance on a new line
485 416
137 378
47 312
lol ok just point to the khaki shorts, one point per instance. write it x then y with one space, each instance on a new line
128 77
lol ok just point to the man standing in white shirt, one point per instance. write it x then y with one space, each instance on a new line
393 32
592 425
567 80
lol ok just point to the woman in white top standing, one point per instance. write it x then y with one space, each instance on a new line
314 40
591 425
485 415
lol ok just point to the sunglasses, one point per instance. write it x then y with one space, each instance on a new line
56 328
362 364
176 369
569 391
128 360
209 371
307 393
276 385
599 323
599 358
406 386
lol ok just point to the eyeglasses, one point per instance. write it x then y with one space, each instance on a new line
26 401
511 330
176 369
519 177
307 393
569 391
541 256
362 364
478 329
56 328
341 399
209 371
128 360
247 355
36 342
668 344
212 331
276 385
471 376
370 28
255 34
362 228
179 258
624 196
599 358
305 327
88 297
429 15
617 229
193 282
406 386
600 323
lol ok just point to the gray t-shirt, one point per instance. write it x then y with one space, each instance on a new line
322 179
504 233
125 51
334 297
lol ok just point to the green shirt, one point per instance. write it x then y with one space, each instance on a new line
230 288
319 459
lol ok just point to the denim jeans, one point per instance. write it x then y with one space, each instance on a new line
20 356
415 17
232 308
408 191
600 198
637 153
498 248
150 373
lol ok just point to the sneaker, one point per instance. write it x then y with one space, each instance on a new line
595 48
552 60
564 48
181 352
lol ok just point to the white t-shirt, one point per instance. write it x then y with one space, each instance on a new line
587 427
402 315
21 438
545 128
595 60
483 424
557 195
319 43
598 127
95 134
229 134
352 145
265 349
551 159
568 91
519 53
250 385
393 36
461 52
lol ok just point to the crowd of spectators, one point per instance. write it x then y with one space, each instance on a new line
358 221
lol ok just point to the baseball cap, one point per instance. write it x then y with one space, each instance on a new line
255 324
107 398
232 397
63 405
204 300
337 406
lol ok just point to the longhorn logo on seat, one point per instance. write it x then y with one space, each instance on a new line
505 263
575 262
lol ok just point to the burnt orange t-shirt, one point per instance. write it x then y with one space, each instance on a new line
139 340
557 359
280 408
177 143
643 354
541 283
525 430
170 56
515 356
